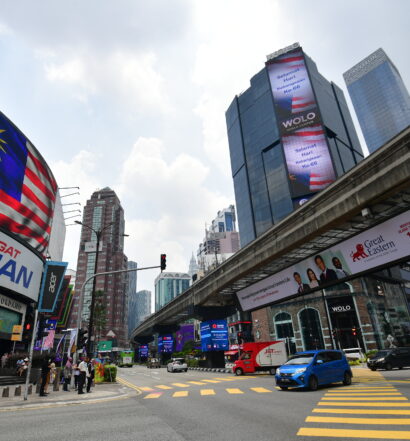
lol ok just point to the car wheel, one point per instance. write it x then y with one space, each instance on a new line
400 367
372 369
388 367
347 379
186 370
283 387
272 371
168 369
313 384
239 372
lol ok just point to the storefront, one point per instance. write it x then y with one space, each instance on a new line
369 312
12 314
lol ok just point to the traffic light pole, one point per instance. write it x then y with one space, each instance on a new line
30 357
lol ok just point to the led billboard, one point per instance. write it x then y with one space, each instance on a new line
184 334
143 351
302 134
385 243
214 336
166 343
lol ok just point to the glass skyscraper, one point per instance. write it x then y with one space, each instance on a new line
168 286
290 135
380 98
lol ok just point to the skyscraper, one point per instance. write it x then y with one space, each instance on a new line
380 98
290 135
103 212
132 294
168 286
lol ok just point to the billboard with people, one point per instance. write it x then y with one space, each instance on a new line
380 245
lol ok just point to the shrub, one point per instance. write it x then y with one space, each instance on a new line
354 362
193 362
110 372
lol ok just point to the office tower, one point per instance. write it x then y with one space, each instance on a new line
103 212
139 308
193 266
290 135
168 286
221 240
379 97
132 292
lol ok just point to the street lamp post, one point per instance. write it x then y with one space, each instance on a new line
98 234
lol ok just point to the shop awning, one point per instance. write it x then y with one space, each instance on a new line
231 352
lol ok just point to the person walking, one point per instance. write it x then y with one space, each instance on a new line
91 374
68 369
4 359
51 375
83 368
45 371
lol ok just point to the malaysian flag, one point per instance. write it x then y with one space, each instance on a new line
27 188
318 182
301 104
48 341
292 59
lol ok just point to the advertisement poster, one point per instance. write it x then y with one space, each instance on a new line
380 245
143 351
304 143
214 336
166 343
51 285
185 333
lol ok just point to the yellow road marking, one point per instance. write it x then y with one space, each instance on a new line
363 394
348 403
180 384
196 382
226 379
162 386
366 398
180 393
260 390
155 395
234 391
146 389
397 421
344 433
365 411
128 384
207 392
211 381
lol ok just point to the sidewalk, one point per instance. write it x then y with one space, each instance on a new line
100 392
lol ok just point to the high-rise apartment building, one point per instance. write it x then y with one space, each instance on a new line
103 212
132 293
290 135
379 97
139 308
221 240
168 286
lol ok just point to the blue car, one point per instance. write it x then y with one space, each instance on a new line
312 368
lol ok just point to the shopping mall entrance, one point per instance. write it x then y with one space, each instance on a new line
345 325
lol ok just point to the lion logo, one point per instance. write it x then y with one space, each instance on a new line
359 254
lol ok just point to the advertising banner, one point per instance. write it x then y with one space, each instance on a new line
51 285
214 335
380 245
143 351
166 343
27 188
185 333
304 143
20 268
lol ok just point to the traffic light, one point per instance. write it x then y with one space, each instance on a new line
354 332
28 324
82 338
163 261
240 337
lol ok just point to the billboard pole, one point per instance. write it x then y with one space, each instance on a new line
30 357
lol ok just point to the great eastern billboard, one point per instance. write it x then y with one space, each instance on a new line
302 134
380 245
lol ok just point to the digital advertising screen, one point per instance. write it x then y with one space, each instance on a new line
304 142
214 336
143 351
166 343
184 334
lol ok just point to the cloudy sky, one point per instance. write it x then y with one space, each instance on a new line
132 94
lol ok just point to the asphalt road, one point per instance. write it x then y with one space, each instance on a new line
209 406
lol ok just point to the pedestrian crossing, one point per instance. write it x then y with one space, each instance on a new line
381 411
208 392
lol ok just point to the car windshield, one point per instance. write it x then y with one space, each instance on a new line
300 359
381 354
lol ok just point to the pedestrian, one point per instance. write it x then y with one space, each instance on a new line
23 367
91 374
51 375
68 369
76 373
4 359
45 371
83 368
